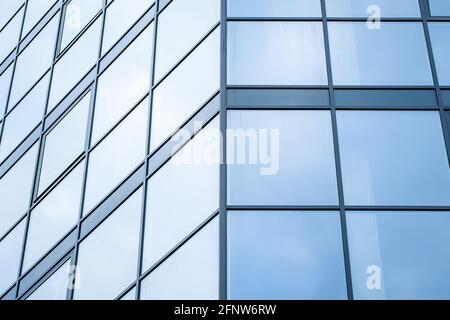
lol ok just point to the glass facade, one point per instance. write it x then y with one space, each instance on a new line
224 149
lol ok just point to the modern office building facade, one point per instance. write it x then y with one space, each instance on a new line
224 149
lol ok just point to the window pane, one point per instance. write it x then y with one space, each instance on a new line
116 156
55 287
5 81
181 195
399 255
123 84
9 36
372 8
35 11
186 89
15 190
131 295
24 118
120 16
77 15
7 10
54 216
400 45
64 143
285 255
440 33
191 273
274 8
180 26
75 63
393 158
299 166
439 7
34 60
10 250
276 53
108 257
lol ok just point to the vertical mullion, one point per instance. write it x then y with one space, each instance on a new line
340 187
223 203
40 145
90 124
147 152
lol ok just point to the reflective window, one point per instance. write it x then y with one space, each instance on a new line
120 16
7 10
54 216
399 255
281 158
77 15
180 26
399 45
9 36
274 8
24 118
74 64
108 257
373 8
393 158
197 279
5 81
35 11
182 195
276 53
10 251
115 158
440 33
130 295
55 287
15 190
439 7
64 143
123 84
34 61
285 255
186 89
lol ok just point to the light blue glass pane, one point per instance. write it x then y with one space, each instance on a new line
439 7
55 287
393 158
7 10
35 11
399 45
181 25
34 60
10 250
122 85
440 33
276 53
15 189
186 89
9 36
117 155
120 16
182 195
74 64
191 273
285 255
64 143
274 8
281 158
77 15
24 118
108 257
399 255
54 216
373 8
5 81
131 295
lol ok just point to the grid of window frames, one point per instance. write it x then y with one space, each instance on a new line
91 92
